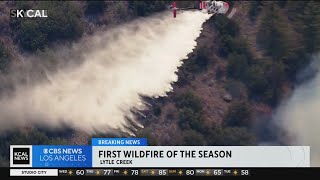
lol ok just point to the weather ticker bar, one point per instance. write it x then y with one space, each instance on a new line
74 172
131 172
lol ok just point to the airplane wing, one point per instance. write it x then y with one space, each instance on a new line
175 9
233 11
187 8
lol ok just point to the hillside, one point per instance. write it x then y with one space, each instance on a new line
227 90
235 79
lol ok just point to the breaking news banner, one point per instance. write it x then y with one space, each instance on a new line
110 153
119 142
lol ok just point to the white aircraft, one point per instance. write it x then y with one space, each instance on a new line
210 7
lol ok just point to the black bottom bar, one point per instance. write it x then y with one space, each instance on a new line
285 172
78 172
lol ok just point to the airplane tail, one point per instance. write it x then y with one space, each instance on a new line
174 5
202 5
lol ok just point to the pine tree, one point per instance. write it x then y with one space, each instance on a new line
4 57
255 9
272 33
311 26
295 8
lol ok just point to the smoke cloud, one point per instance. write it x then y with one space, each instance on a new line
299 115
117 67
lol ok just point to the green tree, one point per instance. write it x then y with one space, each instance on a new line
293 7
23 5
33 137
64 22
57 141
30 36
156 110
225 45
189 100
4 58
238 136
95 7
237 89
255 9
272 95
189 119
4 162
190 112
275 74
230 136
202 61
145 8
147 133
311 26
224 25
238 45
283 3
215 136
295 62
239 114
299 36
193 138
199 63
141 8
272 33
256 79
237 66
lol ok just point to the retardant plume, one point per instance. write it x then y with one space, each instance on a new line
117 66
299 115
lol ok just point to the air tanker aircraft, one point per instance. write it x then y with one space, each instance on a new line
210 7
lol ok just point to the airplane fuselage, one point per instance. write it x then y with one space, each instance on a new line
210 7
213 7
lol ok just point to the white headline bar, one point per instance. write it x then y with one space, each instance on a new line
201 156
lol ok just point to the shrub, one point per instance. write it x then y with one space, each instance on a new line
230 136
237 66
95 7
199 63
189 100
145 8
255 9
225 26
4 58
256 80
189 119
193 138
239 114
238 136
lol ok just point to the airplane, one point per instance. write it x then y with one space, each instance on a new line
210 7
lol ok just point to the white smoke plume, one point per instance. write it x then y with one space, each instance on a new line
118 65
299 115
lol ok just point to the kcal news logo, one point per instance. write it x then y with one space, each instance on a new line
30 13
20 156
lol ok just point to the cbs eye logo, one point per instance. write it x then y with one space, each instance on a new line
21 156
